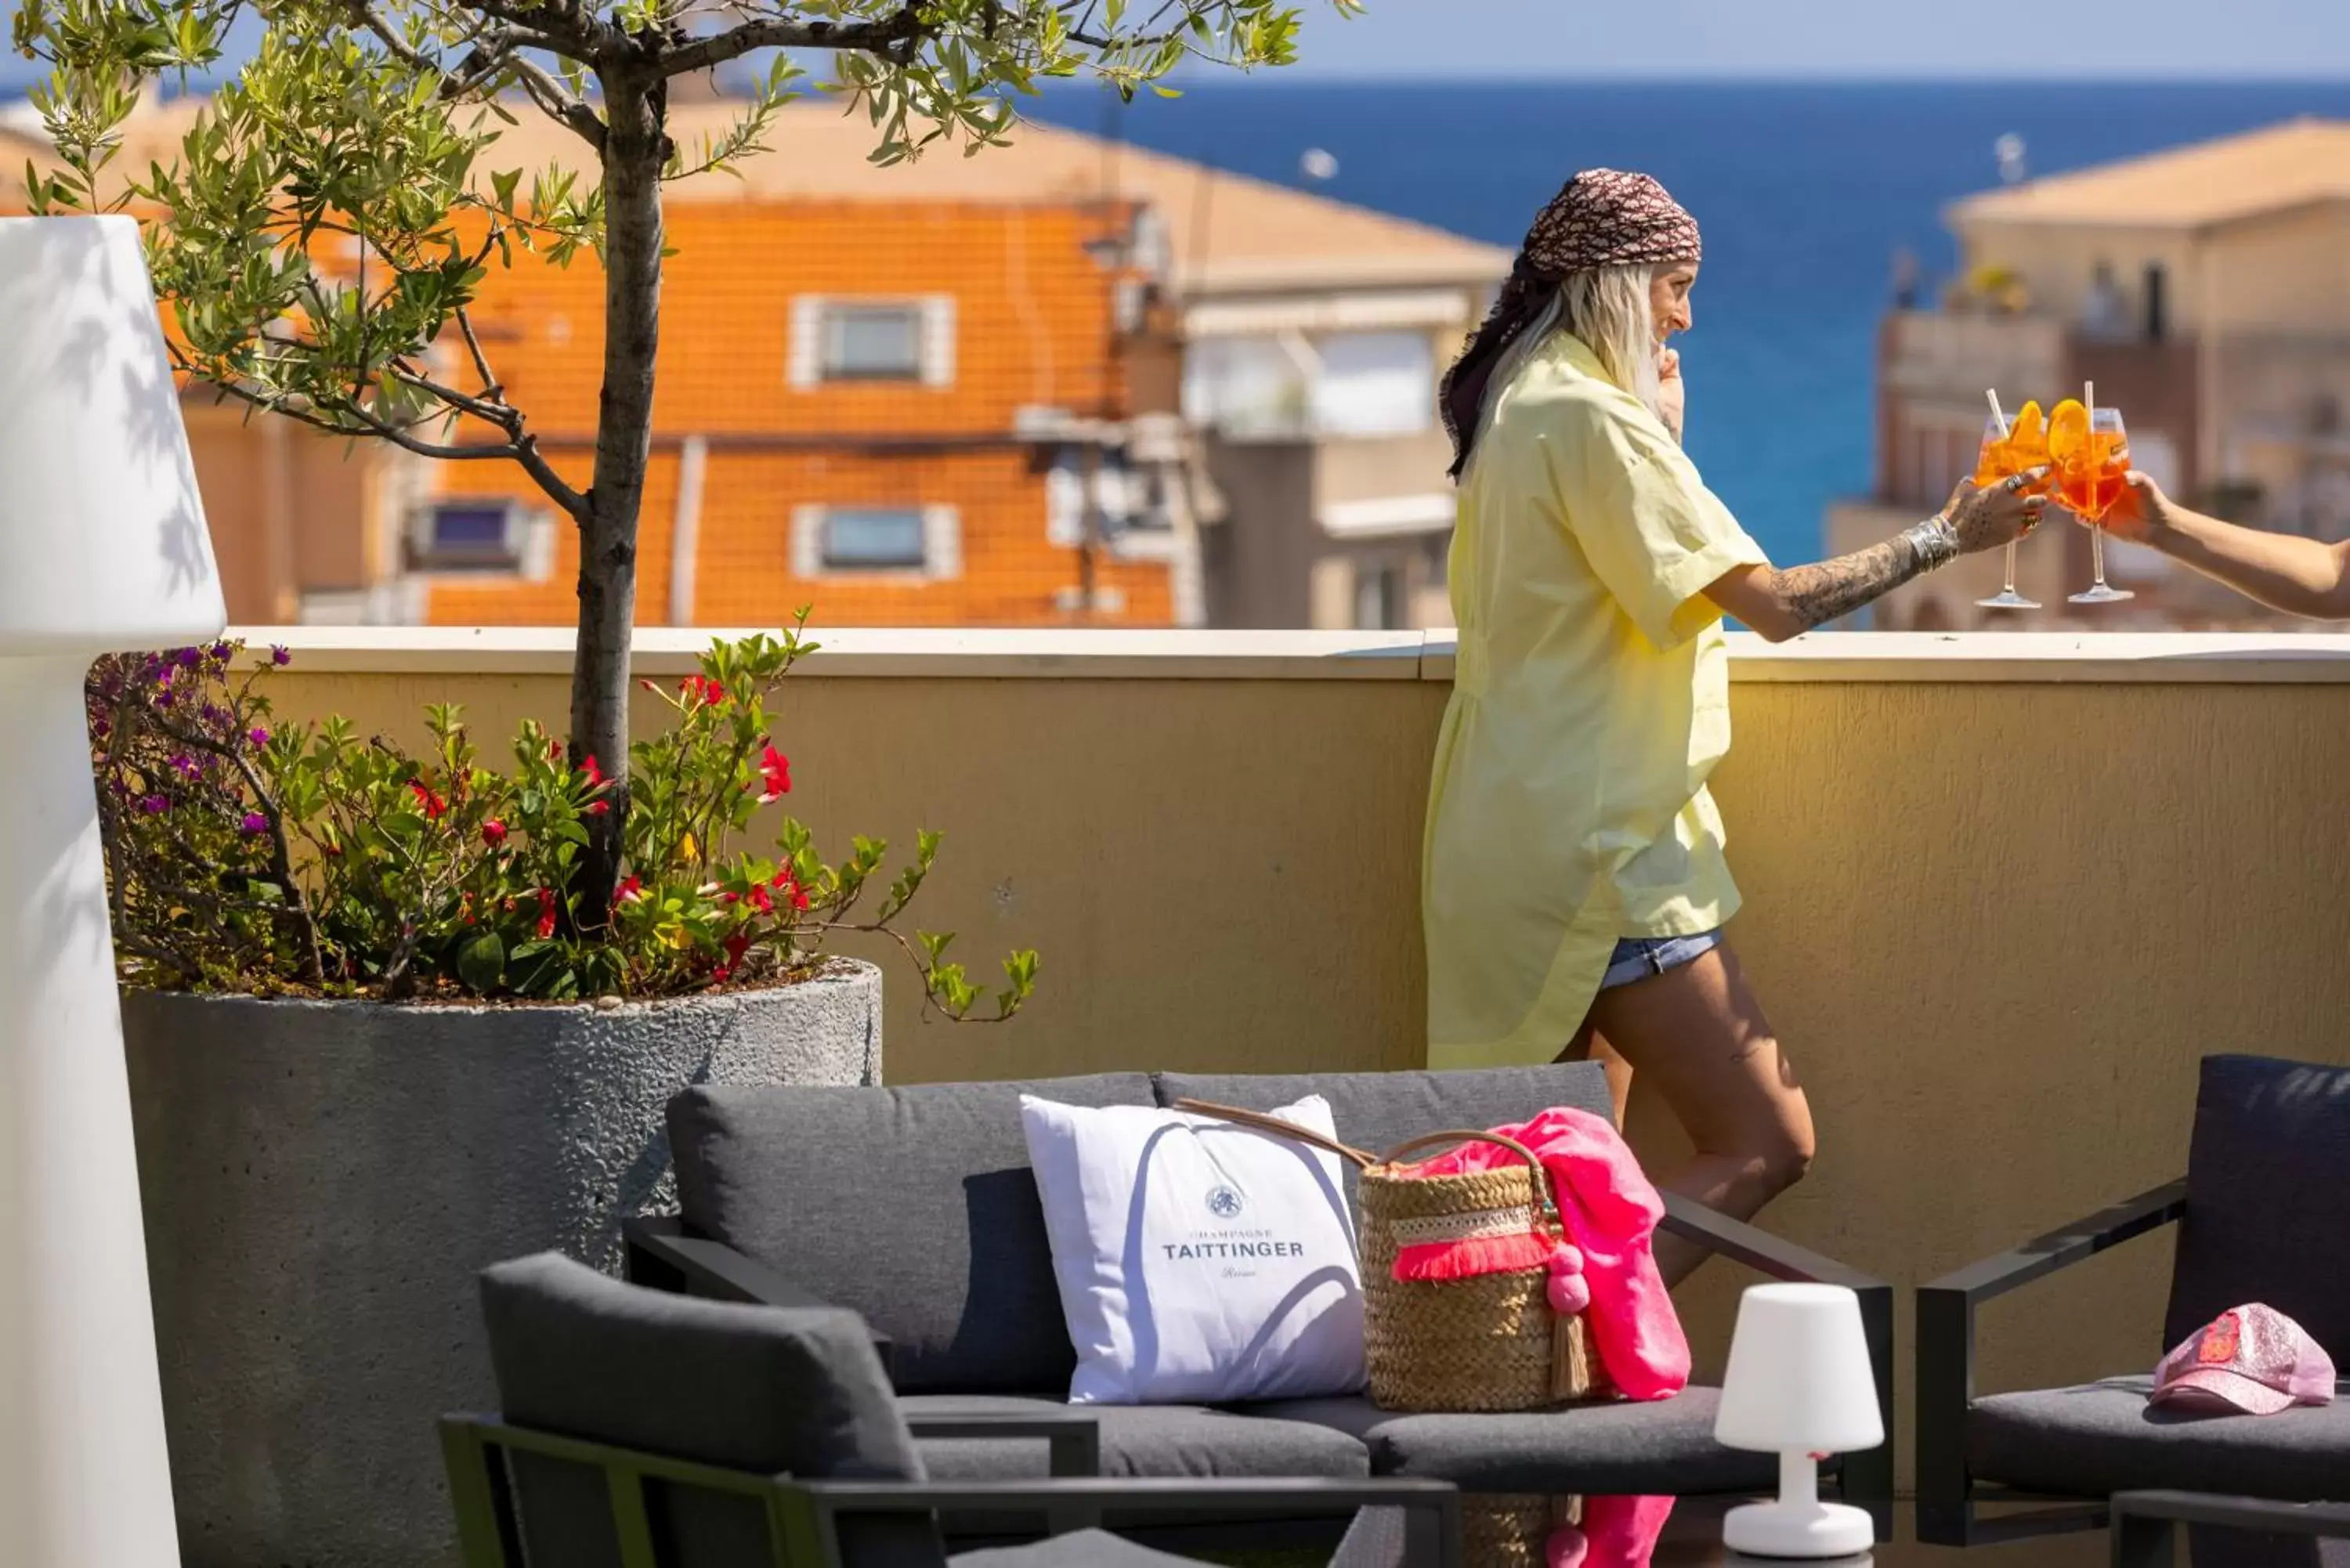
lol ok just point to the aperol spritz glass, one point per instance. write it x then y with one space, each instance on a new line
2091 476
2006 452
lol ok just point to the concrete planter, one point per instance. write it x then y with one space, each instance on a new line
321 1180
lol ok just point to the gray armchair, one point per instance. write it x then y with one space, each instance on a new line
2263 1211
643 1429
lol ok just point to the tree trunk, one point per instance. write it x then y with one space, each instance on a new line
633 155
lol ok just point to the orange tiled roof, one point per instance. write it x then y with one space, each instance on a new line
2282 166
1226 233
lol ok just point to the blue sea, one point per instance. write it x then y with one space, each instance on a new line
1804 192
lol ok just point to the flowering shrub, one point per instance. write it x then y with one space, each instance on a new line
243 855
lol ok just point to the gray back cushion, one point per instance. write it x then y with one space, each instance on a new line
766 1390
1376 1111
2268 1198
870 1198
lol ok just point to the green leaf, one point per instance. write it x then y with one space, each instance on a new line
481 962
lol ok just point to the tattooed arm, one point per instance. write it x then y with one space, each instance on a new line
1784 604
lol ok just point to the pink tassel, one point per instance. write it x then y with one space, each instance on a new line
1479 1255
1566 1548
1568 1294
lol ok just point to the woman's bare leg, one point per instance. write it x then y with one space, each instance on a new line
1588 1046
1697 1032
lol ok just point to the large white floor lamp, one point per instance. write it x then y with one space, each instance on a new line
102 548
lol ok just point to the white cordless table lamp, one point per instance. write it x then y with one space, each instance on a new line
1799 1383
102 548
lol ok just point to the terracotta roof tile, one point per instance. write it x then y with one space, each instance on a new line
2281 167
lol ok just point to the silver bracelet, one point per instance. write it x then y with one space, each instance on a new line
1934 542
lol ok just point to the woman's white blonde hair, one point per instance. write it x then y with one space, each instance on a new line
1609 309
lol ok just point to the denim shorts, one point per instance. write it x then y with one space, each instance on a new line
1638 958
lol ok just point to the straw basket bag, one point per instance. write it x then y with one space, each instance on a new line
1481 1341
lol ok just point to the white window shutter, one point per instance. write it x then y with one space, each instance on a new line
939 340
806 352
941 542
807 541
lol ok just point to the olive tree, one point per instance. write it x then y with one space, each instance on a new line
369 128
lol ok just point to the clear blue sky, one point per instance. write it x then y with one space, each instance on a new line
2203 40
1837 39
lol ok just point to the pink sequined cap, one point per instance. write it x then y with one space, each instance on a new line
2252 1359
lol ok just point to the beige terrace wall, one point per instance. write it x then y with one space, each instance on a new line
2002 892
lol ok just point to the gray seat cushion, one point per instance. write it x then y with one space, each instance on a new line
1143 1440
2268 1198
764 1390
2103 1437
870 1198
1662 1446
1083 1549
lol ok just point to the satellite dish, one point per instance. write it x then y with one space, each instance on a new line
1318 164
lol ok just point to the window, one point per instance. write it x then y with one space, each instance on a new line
882 344
1378 595
896 541
488 534
868 538
1375 384
1243 387
885 340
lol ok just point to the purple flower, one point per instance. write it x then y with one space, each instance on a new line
256 823
164 700
223 649
155 805
281 654
189 658
212 715
101 728
184 766
259 736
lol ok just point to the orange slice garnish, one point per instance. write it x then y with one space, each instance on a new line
2068 433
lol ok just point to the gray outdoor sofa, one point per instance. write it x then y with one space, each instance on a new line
915 1207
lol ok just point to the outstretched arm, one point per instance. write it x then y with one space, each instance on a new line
2284 571
1783 604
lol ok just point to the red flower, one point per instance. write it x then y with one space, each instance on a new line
790 882
431 804
736 946
596 780
553 751
776 772
545 913
721 974
650 687
494 833
705 689
761 902
629 891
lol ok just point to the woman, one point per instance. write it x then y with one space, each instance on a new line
1573 874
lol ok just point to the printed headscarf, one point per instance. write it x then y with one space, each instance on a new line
1603 217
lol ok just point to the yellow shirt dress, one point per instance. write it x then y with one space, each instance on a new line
1568 807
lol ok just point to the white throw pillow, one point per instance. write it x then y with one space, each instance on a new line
1199 1261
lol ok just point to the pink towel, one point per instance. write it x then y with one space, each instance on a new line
1617 1533
1610 1210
